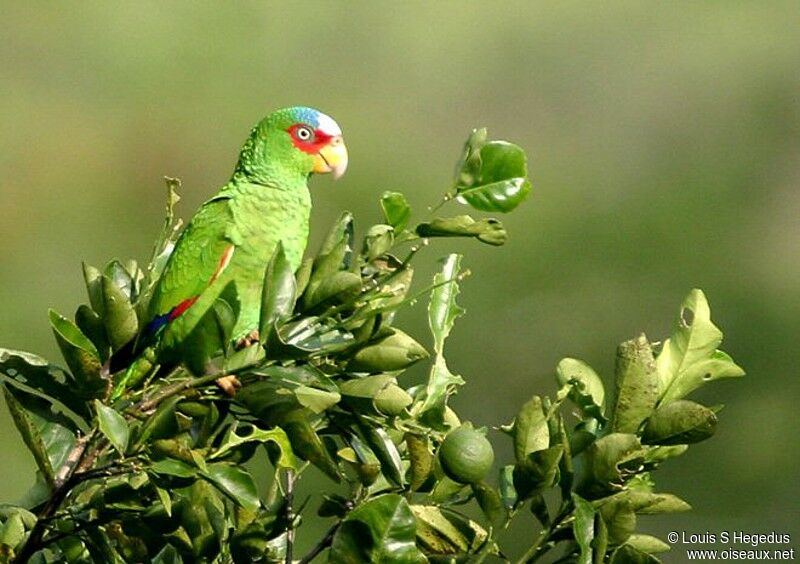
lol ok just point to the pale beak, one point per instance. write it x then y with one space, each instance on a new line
332 158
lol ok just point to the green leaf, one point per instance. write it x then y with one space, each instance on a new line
308 337
338 287
280 291
421 459
363 459
91 325
160 425
113 426
341 230
47 432
377 242
689 358
396 210
489 502
586 388
387 453
620 520
680 422
94 287
489 231
627 554
381 530
530 429
173 467
537 472
647 502
168 555
30 435
251 433
583 528
306 442
316 400
493 177
375 394
334 255
657 454
235 482
508 492
80 354
122 279
647 544
636 385
12 531
393 350
119 314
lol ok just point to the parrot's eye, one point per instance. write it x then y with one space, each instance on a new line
304 133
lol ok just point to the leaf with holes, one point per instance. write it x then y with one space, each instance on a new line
690 358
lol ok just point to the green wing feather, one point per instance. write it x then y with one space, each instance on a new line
196 256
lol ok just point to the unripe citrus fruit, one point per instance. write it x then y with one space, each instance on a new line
466 455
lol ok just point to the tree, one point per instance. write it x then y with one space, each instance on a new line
154 470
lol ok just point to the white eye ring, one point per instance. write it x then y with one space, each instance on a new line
303 133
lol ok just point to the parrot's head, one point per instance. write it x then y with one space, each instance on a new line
293 141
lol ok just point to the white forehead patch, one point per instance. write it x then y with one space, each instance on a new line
328 126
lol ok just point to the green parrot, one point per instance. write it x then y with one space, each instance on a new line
233 235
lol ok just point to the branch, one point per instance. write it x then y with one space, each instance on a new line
321 545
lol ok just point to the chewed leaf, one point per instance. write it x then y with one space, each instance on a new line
443 309
30 370
689 358
586 389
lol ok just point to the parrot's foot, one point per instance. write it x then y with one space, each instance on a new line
229 384
249 339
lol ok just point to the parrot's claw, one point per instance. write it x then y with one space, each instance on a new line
249 339
229 384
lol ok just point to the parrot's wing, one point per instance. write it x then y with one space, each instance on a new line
202 251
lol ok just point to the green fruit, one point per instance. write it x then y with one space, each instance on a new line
466 456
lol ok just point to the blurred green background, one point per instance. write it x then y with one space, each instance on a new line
664 148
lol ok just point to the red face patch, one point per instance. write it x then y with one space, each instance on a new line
308 139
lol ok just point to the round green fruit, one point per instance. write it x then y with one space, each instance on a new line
465 455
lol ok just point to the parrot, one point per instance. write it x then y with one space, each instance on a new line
233 235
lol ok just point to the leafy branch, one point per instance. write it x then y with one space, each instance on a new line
143 459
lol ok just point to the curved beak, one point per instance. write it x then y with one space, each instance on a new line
332 158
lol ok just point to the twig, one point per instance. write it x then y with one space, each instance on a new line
539 547
290 478
65 480
321 545
164 393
